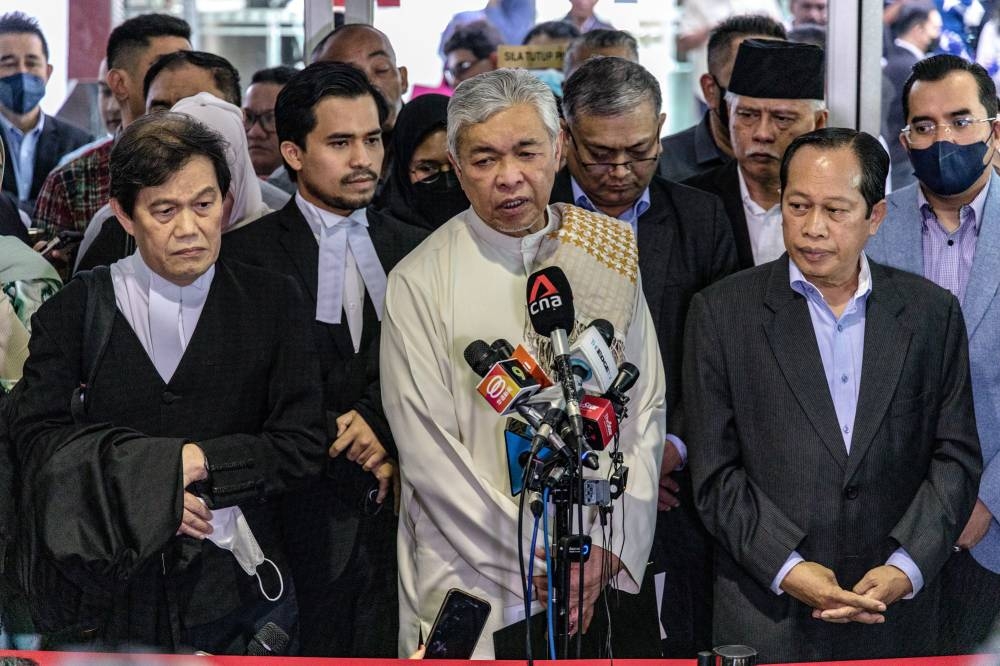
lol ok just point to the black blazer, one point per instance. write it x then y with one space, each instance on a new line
772 474
684 245
246 390
283 242
724 182
58 138
10 219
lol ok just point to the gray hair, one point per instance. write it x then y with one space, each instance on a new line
480 98
609 86
815 105
594 41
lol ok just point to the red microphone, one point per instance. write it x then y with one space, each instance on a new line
600 423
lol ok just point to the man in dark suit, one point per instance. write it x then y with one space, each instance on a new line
775 94
706 145
38 140
917 30
341 529
831 426
163 429
612 121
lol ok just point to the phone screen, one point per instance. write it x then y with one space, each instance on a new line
458 626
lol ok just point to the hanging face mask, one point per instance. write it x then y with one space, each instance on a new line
21 93
949 168
722 110
231 532
439 198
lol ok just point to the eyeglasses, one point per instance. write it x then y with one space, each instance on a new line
604 168
265 119
922 133
428 172
457 71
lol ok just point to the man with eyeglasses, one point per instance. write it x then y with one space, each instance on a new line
946 227
612 122
775 95
471 50
258 117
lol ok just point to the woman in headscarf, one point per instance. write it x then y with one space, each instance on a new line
422 189
104 243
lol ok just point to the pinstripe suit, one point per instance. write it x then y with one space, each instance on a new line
771 472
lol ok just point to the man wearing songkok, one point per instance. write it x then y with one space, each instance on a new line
946 227
831 431
467 281
775 94
612 124
167 402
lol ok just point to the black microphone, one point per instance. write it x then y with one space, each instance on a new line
481 357
627 376
271 640
550 308
502 348
545 426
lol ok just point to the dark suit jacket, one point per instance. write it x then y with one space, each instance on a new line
57 139
690 152
724 182
246 390
772 475
10 219
283 242
899 64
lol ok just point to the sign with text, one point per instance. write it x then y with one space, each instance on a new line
548 56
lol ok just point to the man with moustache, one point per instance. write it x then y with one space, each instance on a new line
612 120
831 428
458 519
775 95
341 528
71 194
946 227
706 145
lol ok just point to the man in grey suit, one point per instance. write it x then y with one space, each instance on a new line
946 227
831 431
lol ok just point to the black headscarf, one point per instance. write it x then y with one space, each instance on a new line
416 121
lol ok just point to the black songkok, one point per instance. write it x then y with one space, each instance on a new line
773 69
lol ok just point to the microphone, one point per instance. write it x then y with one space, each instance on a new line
627 376
591 357
550 308
600 421
505 383
544 432
271 640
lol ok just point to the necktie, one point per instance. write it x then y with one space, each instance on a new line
335 239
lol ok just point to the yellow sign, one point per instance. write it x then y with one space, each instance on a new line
549 56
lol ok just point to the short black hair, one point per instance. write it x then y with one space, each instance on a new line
553 30
19 23
601 38
479 37
937 67
227 79
133 36
911 14
720 42
156 146
871 156
280 75
295 108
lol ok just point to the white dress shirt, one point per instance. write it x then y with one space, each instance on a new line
764 227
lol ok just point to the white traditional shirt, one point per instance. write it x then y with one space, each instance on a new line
458 520
764 226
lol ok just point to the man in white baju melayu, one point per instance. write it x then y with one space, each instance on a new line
458 521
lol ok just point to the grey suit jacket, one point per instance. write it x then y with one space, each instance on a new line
771 472
899 243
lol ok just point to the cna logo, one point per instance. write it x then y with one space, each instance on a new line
544 296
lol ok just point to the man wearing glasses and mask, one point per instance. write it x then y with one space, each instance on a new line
946 227
613 118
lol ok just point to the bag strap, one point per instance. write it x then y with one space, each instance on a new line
98 319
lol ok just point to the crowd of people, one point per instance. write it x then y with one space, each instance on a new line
239 322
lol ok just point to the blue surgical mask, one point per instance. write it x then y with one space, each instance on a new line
948 168
21 92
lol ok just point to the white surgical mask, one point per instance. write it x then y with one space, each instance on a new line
231 532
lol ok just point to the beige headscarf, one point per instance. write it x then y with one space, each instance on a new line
227 120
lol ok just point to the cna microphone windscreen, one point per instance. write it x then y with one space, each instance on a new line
550 301
270 640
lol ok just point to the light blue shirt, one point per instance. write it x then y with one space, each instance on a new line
841 342
22 147
631 215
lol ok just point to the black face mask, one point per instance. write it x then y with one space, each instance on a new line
722 110
439 198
